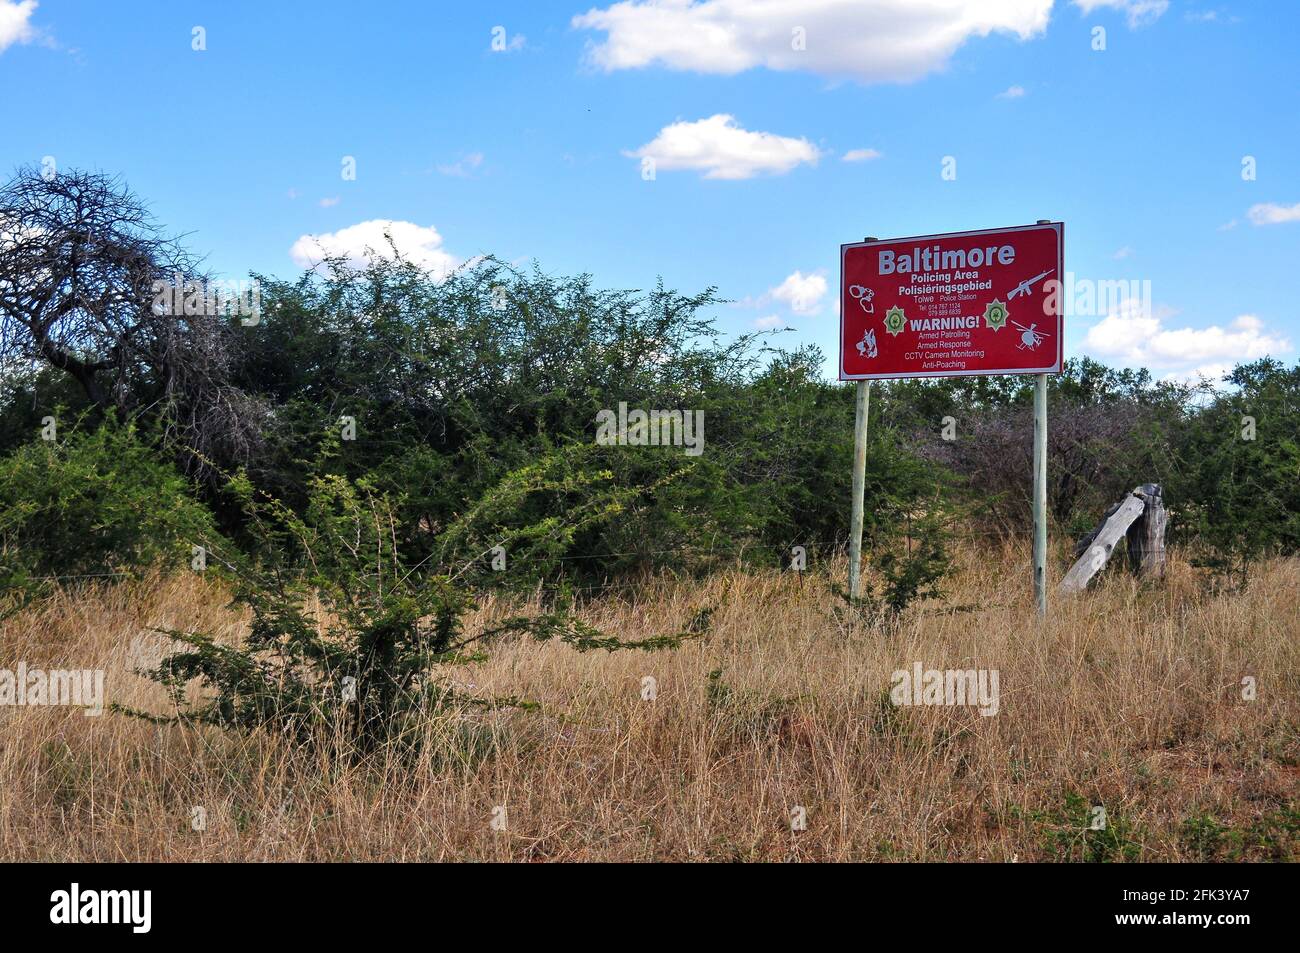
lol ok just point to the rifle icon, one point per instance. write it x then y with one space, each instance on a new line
1026 286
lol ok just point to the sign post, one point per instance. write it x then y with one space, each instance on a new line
863 405
958 304
1040 487
862 411
1040 493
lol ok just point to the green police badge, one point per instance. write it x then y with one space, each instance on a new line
895 321
995 315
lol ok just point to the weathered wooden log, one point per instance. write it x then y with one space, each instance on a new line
1082 545
1146 537
1102 543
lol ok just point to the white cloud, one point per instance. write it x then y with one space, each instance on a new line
770 322
366 241
1122 253
1140 337
721 149
1012 92
1213 373
329 202
1138 12
802 293
464 166
14 25
882 41
1211 16
860 155
1268 213
14 231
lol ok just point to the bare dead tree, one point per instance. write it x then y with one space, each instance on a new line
81 262
1095 453
78 256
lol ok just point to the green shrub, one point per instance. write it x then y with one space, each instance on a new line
350 644
91 503
1068 833
1237 486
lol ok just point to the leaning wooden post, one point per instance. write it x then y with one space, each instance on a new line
1095 549
1040 493
863 409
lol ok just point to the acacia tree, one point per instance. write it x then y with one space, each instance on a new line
80 262
1109 431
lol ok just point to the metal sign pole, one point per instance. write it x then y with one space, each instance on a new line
1040 493
863 405
1040 486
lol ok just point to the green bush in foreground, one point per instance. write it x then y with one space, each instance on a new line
349 643
91 503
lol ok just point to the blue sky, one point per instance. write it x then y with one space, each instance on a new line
535 149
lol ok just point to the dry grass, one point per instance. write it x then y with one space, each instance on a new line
1128 697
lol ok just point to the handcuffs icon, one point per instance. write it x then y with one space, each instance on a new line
863 296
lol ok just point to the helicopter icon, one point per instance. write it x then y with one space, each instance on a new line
1030 337
1026 286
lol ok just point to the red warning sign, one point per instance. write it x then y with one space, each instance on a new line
964 303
